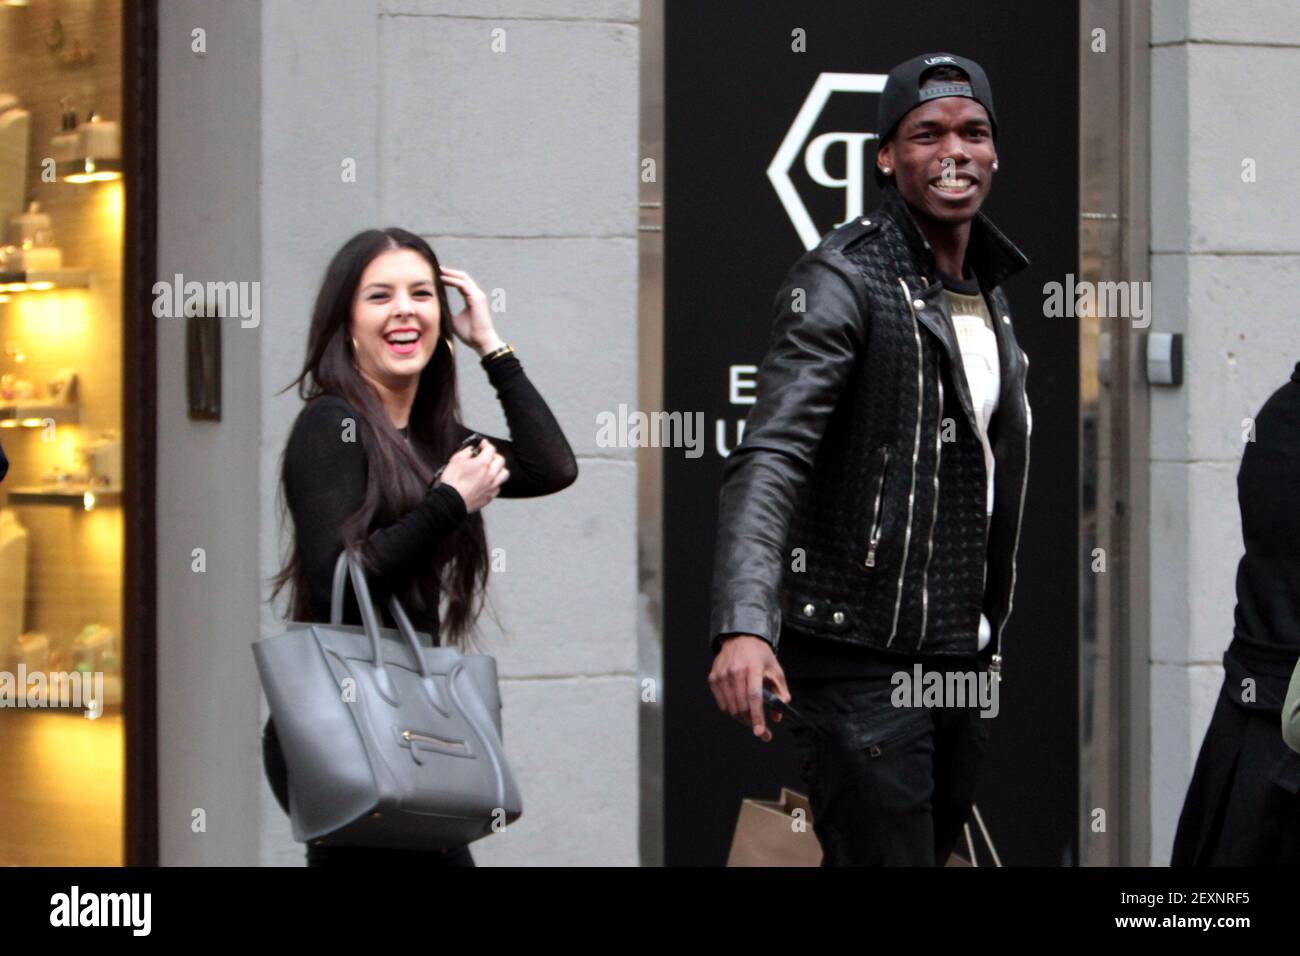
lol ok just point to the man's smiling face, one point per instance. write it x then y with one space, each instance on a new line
942 155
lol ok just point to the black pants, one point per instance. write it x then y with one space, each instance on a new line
889 786
277 775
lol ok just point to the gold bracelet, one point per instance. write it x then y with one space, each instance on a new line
496 354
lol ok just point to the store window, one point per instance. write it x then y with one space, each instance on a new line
61 517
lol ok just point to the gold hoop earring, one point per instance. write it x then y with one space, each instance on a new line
354 345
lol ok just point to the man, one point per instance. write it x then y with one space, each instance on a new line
869 520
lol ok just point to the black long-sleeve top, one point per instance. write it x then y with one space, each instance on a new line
1266 632
325 483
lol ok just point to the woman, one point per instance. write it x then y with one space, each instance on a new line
1243 803
360 467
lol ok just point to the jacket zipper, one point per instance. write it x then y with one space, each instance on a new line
934 515
873 538
916 452
996 664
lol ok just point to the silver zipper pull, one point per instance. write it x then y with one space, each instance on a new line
995 665
871 556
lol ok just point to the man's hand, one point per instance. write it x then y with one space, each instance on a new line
743 665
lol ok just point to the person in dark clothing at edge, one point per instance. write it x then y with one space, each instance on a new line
382 415
1243 803
870 517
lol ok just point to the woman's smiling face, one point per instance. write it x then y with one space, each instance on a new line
395 317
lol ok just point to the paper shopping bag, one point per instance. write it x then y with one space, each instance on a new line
775 833
780 833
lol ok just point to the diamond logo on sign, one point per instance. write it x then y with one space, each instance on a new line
796 145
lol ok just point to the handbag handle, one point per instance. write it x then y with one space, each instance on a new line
347 562
988 840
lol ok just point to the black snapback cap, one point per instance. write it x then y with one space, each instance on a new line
903 93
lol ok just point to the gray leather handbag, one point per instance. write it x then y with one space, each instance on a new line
389 741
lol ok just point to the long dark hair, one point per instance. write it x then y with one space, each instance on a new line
398 473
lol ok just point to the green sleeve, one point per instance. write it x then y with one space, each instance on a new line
1291 712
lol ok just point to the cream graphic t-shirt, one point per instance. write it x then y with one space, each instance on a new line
978 343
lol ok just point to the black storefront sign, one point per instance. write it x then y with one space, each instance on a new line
769 142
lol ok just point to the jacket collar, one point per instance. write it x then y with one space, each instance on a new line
991 255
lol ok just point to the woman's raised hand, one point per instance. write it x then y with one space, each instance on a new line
478 478
473 324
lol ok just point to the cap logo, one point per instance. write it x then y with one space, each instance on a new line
932 60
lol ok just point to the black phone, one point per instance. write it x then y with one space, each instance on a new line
777 704
473 438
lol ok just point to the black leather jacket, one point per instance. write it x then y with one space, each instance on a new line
854 508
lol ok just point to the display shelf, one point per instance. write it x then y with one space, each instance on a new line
33 414
70 497
88 170
44 280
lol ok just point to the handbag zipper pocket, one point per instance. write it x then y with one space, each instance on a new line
429 742
873 538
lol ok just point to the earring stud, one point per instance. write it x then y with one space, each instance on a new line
995 164
886 169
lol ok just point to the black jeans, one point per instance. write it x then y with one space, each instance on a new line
277 775
888 786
